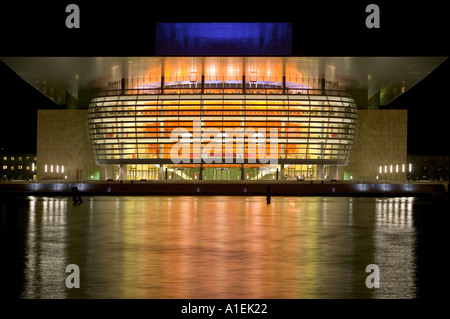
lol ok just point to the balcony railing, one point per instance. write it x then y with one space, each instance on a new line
223 90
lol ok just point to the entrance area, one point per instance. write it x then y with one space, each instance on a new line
223 172
300 172
142 172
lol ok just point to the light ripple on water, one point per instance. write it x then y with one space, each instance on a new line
219 247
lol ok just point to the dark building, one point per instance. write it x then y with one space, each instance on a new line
429 167
18 167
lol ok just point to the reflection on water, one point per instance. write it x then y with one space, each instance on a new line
219 247
395 239
46 245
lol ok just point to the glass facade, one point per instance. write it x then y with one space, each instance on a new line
240 128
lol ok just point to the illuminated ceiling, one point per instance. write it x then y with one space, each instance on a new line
390 76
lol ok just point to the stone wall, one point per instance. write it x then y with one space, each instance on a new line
63 140
381 140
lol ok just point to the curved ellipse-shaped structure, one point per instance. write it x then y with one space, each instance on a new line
138 126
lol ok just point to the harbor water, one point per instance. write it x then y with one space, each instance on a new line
152 247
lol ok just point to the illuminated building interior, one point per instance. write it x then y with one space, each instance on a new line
227 115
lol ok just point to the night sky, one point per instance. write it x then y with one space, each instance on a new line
428 121
19 104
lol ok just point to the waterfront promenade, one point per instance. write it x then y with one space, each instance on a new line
232 188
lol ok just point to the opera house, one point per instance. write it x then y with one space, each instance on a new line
222 117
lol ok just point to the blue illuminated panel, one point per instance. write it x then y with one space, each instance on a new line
223 39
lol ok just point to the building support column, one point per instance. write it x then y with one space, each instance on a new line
109 171
123 86
161 172
242 172
340 173
123 171
202 88
322 85
319 172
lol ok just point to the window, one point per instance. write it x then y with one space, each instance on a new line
19 167
5 167
5 158
12 158
28 168
12 168
20 158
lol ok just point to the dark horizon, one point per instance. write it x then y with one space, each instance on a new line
20 102
427 123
